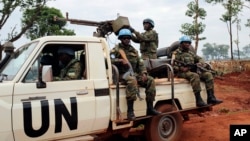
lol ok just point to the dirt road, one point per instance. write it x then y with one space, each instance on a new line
214 125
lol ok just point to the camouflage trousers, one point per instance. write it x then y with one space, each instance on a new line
148 55
195 78
132 88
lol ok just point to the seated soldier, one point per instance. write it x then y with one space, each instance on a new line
129 56
70 67
184 56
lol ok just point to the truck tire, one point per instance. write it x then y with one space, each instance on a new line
164 127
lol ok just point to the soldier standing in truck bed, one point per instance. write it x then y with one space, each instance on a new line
128 55
184 56
148 40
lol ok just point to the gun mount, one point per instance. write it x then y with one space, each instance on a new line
104 28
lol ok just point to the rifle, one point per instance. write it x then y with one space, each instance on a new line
197 68
103 28
130 71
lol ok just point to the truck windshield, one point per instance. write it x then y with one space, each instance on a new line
16 62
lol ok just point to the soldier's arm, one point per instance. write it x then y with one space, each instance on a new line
135 39
147 36
74 72
114 55
141 66
176 66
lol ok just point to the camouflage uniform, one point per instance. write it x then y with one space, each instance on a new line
71 72
148 43
138 68
189 57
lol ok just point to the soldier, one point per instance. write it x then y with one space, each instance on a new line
70 67
148 40
128 55
185 56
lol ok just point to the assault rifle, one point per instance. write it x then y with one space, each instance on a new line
104 28
129 72
198 68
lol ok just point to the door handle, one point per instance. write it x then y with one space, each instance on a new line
83 92
34 98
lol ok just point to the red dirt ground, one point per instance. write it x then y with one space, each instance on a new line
234 90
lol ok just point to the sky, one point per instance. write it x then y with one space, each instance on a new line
168 16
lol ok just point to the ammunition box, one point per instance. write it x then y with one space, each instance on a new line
120 22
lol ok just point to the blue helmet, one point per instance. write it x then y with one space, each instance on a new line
124 32
185 39
66 50
150 21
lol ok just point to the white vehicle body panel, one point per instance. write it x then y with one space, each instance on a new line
74 108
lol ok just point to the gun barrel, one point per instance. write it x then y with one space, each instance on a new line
103 27
84 22
79 22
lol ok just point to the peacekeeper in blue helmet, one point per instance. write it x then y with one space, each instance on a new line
184 56
148 40
128 55
70 67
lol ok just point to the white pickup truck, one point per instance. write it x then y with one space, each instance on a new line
34 107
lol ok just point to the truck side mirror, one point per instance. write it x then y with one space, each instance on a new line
45 75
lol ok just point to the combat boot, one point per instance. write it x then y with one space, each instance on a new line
150 109
199 101
211 98
130 111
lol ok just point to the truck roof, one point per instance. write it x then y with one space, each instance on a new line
71 38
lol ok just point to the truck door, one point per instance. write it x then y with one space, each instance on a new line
62 108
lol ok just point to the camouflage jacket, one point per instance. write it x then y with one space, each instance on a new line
132 56
148 41
185 57
71 72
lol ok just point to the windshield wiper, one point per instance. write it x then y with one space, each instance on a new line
3 76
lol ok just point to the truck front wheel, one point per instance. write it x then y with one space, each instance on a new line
164 127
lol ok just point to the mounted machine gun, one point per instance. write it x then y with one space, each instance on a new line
104 28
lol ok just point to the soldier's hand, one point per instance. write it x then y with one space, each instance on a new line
131 29
184 69
144 77
124 62
202 65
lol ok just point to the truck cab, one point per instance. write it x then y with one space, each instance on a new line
55 109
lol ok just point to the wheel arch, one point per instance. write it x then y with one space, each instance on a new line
168 101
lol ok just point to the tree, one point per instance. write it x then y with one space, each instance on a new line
233 7
237 35
196 28
208 51
45 24
213 51
246 50
239 52
248 20
222 51
9 6
248 23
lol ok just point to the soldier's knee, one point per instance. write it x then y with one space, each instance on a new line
208 75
